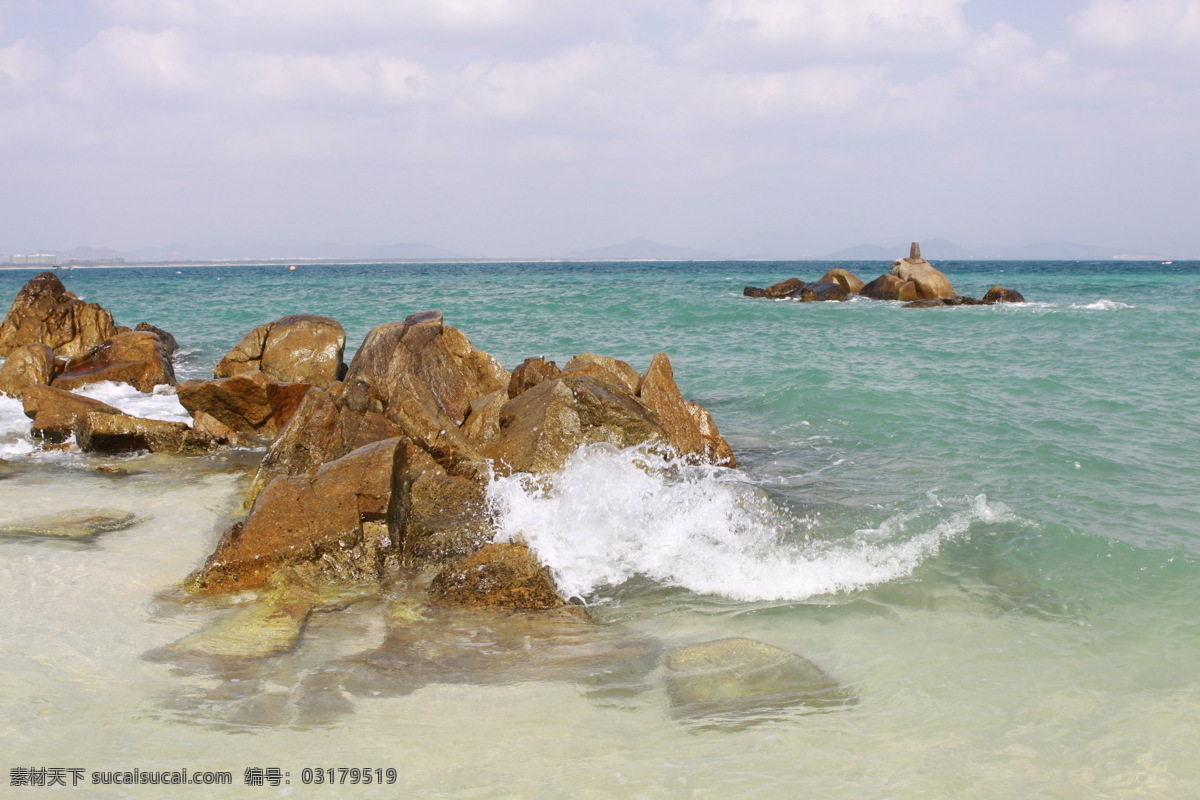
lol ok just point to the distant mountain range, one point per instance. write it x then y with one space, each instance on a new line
642 249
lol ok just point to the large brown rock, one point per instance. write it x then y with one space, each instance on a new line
482 425
844 278
423 376
542 427
930 283
300 348
250 403
889 287
99 432
28 365
318 432
438 518
501 575
138 358
691 434
55 412
44 311
613 370
334 522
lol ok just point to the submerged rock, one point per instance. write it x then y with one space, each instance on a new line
138 358
300 348
28 365
504 575
739 678
78 523
754 291
44 311
820 291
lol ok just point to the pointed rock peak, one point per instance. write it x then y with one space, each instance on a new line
914 252
424 318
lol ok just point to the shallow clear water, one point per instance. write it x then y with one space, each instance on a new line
981 521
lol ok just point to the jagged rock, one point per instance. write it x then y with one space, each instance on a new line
56 412
540 428
300 348
334 522
316 433
740 677
438 518
99 432
138 358
530 373
604 368
44 311
78 523
783 288
998 294
250 403
889 287
504 575
692 436
754 291
167 339
27 365
844 278
206 425
961 300
820 291
422 376
930 283
482 425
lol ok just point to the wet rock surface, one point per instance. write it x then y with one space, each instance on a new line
28 365
138 358
80 523
739 679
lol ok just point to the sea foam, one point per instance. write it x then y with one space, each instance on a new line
611 515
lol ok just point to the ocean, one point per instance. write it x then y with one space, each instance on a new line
982 522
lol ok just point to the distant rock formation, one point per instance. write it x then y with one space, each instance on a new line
44 311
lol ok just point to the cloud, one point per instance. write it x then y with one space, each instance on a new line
1139 25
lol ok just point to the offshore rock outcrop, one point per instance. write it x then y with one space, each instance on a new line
911 280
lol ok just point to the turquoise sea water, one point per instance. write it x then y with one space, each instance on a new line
983 520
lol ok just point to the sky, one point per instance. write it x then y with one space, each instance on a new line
530 128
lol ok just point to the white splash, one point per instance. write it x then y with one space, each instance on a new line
611 515
163 403
1103 305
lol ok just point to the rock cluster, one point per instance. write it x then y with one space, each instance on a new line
912 280
388 468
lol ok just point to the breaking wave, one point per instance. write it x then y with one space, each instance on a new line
611 515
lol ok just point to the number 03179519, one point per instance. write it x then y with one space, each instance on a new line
339 775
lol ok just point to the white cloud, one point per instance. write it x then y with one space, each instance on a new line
1131 25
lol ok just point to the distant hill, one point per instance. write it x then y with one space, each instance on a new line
642 249
179 251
